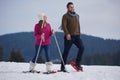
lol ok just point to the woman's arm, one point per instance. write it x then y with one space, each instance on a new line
36 32
51 30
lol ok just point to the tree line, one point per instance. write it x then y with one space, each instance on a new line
16 56
88 59
101 59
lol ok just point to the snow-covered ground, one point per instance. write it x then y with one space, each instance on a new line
13 71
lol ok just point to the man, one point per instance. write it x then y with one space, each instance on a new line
71 29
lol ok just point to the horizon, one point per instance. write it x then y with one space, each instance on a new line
97 18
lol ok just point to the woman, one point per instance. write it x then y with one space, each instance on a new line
42 33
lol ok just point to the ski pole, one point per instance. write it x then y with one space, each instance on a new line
58 48
38 51
39 45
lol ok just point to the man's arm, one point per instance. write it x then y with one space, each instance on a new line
64 27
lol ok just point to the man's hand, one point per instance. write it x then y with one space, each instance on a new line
68 36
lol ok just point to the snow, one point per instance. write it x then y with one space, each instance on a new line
13 71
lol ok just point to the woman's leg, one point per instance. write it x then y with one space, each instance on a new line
36 51
47 55
48 62
32 63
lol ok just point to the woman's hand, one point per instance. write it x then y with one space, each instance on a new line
43 37
52 32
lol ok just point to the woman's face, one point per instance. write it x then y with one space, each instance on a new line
45 18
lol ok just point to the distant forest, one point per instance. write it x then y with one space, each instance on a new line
19 47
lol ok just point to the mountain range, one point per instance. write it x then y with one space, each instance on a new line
24 41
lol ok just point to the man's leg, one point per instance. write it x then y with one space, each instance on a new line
78 42
67 46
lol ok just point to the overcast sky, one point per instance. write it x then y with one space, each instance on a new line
99 18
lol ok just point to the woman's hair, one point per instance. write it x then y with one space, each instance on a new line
69 3
41 24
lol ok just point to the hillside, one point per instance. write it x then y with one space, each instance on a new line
13 71
24 42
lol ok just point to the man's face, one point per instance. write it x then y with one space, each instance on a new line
71 8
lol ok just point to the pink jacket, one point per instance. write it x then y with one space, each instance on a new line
47 33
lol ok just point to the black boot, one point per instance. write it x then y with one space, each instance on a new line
63 68
78 65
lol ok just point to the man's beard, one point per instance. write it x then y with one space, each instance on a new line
72 12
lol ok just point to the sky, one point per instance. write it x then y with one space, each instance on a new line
99 18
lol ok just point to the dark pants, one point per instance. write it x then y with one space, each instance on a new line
46 48
67 45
